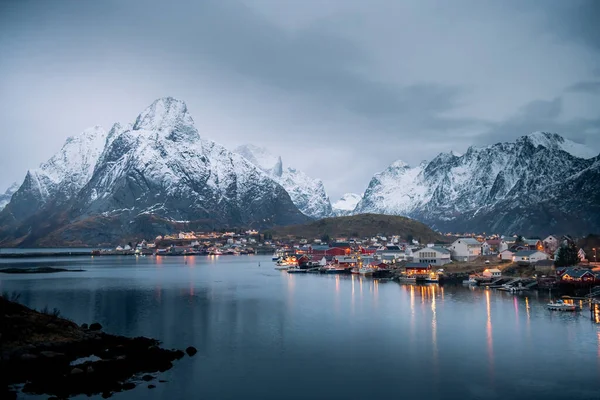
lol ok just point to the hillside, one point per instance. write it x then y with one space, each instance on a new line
362 225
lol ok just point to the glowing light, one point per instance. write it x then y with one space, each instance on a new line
490 340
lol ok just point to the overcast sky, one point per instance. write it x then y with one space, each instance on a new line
339 88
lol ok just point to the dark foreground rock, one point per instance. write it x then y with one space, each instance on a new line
54 356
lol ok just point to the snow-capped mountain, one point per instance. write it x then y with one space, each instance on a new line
6 196
506 187
308 194
143 177
62 176
346 204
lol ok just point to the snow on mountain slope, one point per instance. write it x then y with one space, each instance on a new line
6 196
451 192
555 141
346 204
308 194
162 166
62 176
141 179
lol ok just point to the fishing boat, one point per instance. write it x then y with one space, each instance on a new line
470 281
355 271
296 270
366 271
407 279
560 305
431 278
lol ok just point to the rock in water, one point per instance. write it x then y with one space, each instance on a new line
191 351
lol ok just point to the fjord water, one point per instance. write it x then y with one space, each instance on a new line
266 334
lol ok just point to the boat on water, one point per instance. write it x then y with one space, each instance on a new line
355 271
282 267
334 269
470 281
407 279
366 271
560 305
296 270
432 278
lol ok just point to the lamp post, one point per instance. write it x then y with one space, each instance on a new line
594 254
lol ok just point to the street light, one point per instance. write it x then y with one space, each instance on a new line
594 254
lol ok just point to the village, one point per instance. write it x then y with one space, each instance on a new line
478 259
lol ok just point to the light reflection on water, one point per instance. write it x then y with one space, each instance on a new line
267 334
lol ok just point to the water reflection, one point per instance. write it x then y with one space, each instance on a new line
262 329
434 331
490 341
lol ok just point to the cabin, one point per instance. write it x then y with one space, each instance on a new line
529 257
417 269
576 275
465 249
369 250
550 244
507 255
492 273
533 244
493 246
432 255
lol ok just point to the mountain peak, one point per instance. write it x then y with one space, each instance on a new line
347 203
554 141
169 117
399 164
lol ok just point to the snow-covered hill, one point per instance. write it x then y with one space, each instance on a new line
141 177
308 194
346 204
506 187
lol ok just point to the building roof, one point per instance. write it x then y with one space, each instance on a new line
531 242
341 245
526 253
469 241
319 247
577 273
509 250
434 248
396 248
493 242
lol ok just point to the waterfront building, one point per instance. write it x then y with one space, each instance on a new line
465 249
529 257
432 255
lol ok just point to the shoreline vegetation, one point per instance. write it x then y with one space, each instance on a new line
44 353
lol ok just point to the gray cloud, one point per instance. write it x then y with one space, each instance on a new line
359 84
592 87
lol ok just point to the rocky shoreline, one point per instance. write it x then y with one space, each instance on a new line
54 356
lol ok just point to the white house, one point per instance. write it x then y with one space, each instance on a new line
432 255
581 254
492 273
527 257
507 255
465 249
550 244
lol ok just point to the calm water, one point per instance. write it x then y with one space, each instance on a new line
266 334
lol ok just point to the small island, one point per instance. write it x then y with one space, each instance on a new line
39 270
